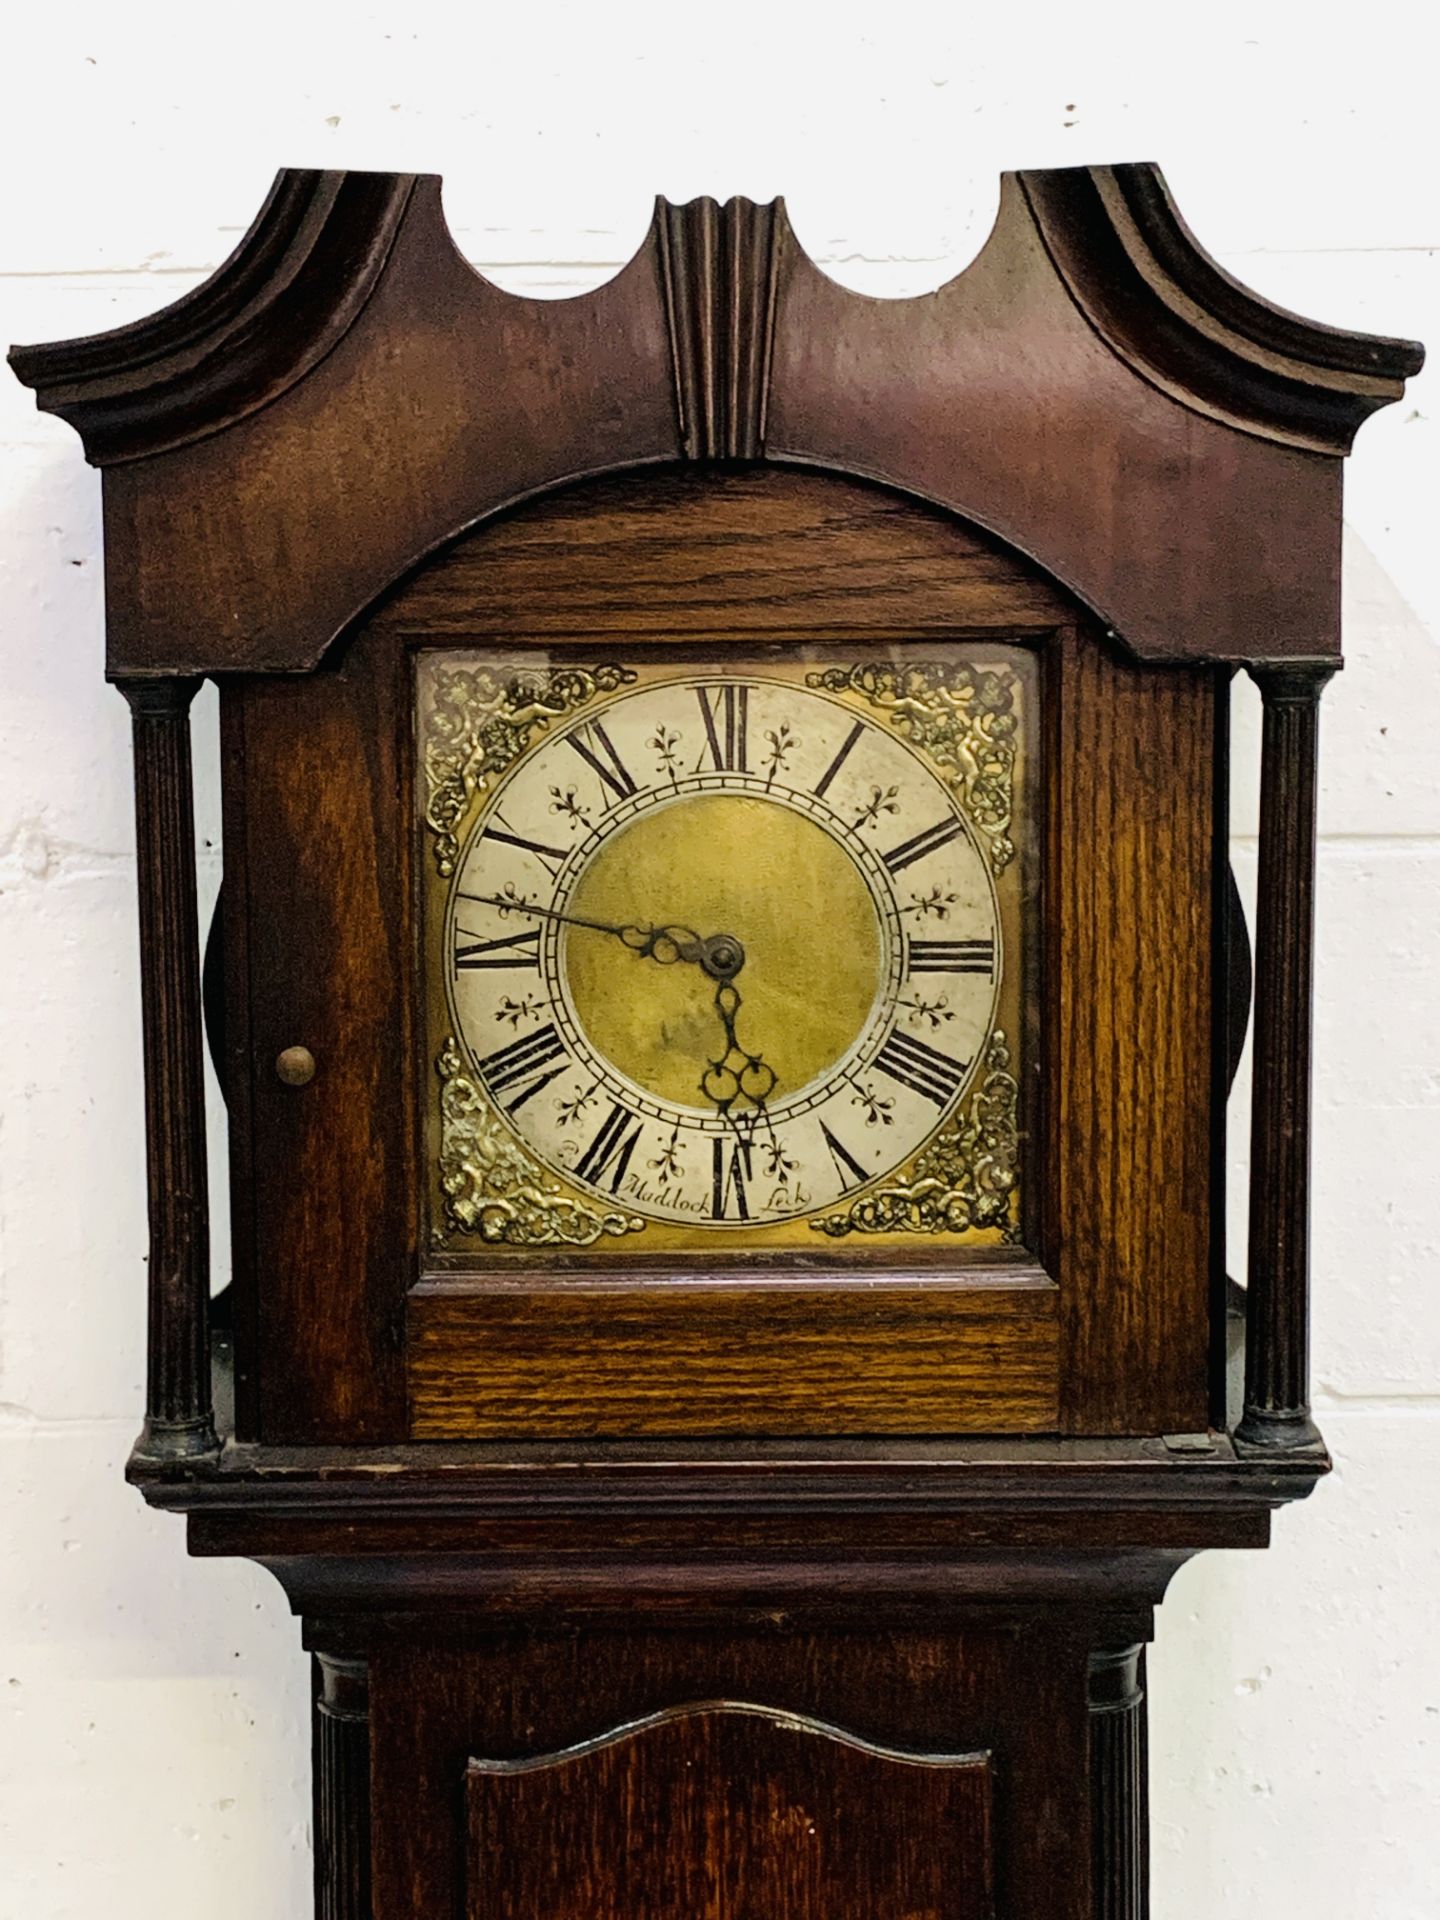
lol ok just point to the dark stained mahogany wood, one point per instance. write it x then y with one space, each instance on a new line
518 1697
1092 352
1119 1796
852 1474
845 1526
1173 314
411 1593
178 1419
852 1530
289 293
326 1171
1277 1346
709 1526
367 1571
342 1788
725 1811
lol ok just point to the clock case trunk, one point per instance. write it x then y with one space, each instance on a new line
870 1662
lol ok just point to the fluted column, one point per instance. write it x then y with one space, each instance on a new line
179 1422
1277 1326
342 1789
1119 1797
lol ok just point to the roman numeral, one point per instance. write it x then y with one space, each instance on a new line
552 858
845 1162
730 709
921 1068
610 1150
730 1178
510 950
920 844
952 956
615 775
822 785
522 1064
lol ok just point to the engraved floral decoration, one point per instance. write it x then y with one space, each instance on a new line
963 1180
777 758
963 717
668 1163
478 721
493 1188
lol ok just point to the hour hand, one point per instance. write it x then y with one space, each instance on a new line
665 944
721 955
736 1075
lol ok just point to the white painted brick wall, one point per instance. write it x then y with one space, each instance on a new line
154 1710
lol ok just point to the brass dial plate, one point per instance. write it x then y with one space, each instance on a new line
724 956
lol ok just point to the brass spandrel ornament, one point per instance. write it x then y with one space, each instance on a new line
493 1188
967 1176
962 716
478 722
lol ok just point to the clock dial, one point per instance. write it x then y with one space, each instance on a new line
723 950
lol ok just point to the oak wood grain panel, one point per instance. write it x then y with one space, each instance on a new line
808 1357
1020 1695
330 957
664 552
1130 1086
729 1812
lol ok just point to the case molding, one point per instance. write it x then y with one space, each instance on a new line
347 321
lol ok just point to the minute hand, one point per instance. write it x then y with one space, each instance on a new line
721 956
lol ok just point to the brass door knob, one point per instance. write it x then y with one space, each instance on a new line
296 1066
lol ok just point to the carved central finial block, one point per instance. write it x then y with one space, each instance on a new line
719 268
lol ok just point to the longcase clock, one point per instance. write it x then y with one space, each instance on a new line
725 990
